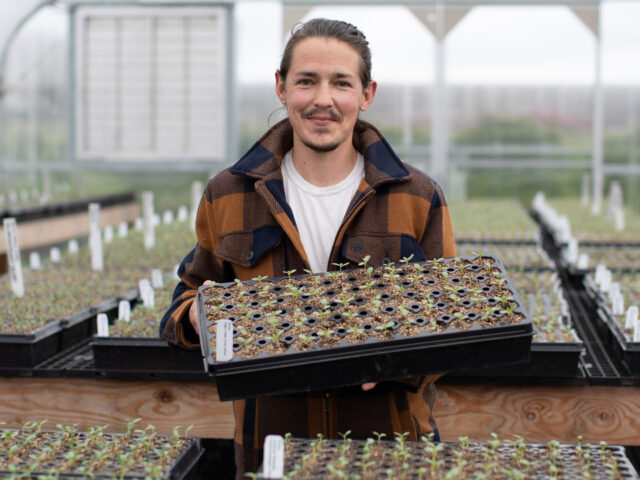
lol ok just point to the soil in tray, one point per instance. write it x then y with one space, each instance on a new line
495 460
136 454
325 310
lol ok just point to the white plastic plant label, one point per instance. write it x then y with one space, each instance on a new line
583 261
614 289
167 217
600 268
123 230
176 268
149 298
108 234
95 237
572 251
183 214
46 186
196 196
636 331
103 325
148 219
124 311
138 224
54 255
618 219
13 256
631 317
273 457
605 285
617 304
224 340
34 261
156 278
73 246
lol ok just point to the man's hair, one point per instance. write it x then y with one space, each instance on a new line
322 27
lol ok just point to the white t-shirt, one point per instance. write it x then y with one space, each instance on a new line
319 211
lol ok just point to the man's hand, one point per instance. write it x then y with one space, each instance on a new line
193 312
368 386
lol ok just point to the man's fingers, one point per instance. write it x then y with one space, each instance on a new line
368 386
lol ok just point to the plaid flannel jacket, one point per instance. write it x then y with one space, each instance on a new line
245 228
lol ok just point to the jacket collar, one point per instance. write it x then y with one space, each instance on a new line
381 163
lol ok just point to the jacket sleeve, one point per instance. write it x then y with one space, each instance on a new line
438 242
199 265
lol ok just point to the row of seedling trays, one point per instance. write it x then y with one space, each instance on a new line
378 458
66 452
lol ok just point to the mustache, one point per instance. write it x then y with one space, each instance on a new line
332 114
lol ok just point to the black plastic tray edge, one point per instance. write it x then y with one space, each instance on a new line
525 326
187 461
626 351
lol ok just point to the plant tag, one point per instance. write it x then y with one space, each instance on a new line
614 289
618 304
224 340
46 186
123 230
95 237
176 269
73 247
13 256
196 196
605 285
572 251
147 215
34 261
183 214
103 325
149 299
273 457
600 268
55 255
636 331
138 224
108 234
124 311
583 261
618 218
167 217
631 317
156 278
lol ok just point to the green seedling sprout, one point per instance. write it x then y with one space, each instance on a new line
364 261
406 260
288 273
340 265
379 437
276 336
307 271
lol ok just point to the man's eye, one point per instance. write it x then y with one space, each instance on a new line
341 83
304 81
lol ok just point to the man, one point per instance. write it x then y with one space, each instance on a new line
319 188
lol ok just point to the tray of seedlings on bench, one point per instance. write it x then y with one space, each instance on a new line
312 332
497 459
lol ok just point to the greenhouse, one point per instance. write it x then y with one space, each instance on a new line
303 239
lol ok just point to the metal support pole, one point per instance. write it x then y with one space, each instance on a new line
596 163
438 167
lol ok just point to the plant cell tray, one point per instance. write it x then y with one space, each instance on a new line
622 348
73 454
315 332
30 349
497 459
143 354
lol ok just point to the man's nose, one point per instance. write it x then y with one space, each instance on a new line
323 96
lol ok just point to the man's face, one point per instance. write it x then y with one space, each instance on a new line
323 93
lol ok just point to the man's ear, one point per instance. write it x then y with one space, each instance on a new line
280 92
368 95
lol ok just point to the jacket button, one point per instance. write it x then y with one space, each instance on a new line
249 256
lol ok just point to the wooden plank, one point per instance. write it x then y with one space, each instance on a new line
537 413
540 413
90 402
57 229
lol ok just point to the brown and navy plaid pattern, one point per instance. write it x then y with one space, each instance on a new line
245 228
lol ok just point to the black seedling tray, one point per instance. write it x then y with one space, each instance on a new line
143 354
437 347
182 468
27 350
617 343
499 459
548 361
